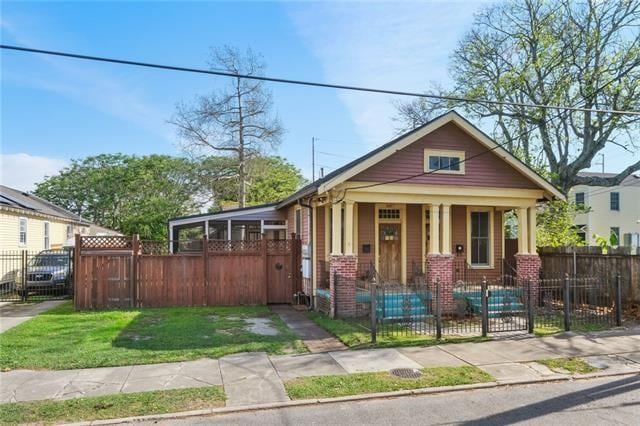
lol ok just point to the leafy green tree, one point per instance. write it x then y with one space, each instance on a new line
565 52
127 193
555 225
268 179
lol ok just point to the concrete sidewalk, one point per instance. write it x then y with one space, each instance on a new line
255 378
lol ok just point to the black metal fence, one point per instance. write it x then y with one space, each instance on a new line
480 308
31 276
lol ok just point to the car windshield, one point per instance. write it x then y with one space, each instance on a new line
50 260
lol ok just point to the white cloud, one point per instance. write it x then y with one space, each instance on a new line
22 171
400 46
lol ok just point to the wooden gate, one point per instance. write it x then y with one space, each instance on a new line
120 272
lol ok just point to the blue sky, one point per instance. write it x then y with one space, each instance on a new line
54 109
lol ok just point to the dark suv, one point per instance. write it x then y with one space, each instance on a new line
48 271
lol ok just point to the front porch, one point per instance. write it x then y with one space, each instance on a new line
407 243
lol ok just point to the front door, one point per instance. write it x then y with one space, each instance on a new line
389 254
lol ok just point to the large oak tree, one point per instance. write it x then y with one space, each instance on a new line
563 52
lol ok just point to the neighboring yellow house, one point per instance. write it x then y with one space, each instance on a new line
28 222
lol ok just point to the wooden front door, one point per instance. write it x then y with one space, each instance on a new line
389 251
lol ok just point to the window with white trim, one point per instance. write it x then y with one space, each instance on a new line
443 161
69 232
480 239
22 239
47 242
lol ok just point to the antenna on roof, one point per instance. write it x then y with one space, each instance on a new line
321 172
601 163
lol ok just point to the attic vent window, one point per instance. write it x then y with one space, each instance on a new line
443 161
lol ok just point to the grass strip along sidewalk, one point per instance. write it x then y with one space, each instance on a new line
571 365
359 383
112 406
63 338
354 335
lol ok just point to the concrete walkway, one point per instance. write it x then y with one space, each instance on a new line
255 378
12 314
315 337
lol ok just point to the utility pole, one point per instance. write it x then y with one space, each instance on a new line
313 159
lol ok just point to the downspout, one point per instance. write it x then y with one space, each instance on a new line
311 239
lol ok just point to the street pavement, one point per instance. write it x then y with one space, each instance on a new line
606 401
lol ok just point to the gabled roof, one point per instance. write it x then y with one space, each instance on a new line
358 165
632 179
30 203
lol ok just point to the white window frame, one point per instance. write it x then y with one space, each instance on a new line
444 153
47 234
489 210
69 232
26 231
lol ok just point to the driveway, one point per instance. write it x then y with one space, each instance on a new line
12 314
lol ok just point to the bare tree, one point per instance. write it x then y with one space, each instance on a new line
576 53
236 120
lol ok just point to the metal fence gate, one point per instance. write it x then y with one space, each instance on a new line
34 276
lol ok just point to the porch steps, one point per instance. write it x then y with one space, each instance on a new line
397 306
501 302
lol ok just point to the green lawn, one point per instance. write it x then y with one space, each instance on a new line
354 384
354 335
63 338
572 365
112 406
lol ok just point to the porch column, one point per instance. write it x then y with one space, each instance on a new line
532 230
336 229
446 229
434 229
523 235
348 227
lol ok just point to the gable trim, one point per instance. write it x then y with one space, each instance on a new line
412 137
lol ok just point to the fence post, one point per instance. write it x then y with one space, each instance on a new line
265 269
76 268
374 322
618 301
485 307
438 310
205 268
23 268
567 303
133 274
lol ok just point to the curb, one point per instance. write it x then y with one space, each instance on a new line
361 397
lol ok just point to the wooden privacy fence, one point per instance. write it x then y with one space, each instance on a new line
590 262
124 272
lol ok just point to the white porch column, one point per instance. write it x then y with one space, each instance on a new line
434 229
336 229
229 229
446 229
532 230
523 234
348 227
206 228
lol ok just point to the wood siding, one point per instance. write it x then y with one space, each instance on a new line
487 170
366 235
414 239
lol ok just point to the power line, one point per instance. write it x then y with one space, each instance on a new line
312 83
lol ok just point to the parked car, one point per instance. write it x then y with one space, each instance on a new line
48 271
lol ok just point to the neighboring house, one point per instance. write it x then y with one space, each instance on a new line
28 222
419 205
611 209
